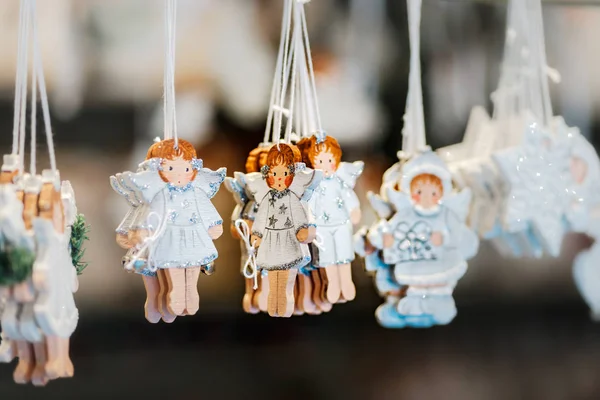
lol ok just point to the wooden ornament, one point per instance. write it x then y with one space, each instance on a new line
281 228
335 210
245 210
173 191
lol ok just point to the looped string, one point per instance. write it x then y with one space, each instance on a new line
319 242
170 116
414 121
147 243
250 269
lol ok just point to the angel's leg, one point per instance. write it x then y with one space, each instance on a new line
26 363
298 292
248 300
262 294
347 285
273 293
177 293
308 304
39 376
325 304
285 292
163 283
54 366
68 368
333 283
192 298
152 290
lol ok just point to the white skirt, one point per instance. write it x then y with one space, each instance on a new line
184 247
281 250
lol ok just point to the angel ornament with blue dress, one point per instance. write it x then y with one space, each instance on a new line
182 222
336 210
282 229
426 241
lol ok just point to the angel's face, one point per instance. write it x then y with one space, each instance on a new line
178 172
426 194
280 177
326 162
578 170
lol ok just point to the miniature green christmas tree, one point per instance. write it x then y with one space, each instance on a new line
79 232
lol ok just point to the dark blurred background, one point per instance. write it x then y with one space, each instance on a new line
522 331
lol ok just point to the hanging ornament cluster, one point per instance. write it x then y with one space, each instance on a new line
41 237
295 217
419 247
171 224
533 177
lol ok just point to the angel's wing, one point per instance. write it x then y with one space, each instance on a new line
305 182
382 208
391 177
68 200
256 186
210 181
143 185
238 191
398 199
459 203
349 172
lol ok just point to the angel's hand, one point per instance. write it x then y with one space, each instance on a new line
388 240
215 232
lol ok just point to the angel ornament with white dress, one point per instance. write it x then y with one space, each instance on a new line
182 222
281 229
426 241
336 210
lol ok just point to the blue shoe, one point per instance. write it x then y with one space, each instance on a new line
388 317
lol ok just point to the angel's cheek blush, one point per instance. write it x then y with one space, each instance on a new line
416 197
288 180
270 180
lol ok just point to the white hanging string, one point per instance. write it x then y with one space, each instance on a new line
277 77
21 72
414 123
538 25
33 139
250 269
39 70
170 117
285 73
24 45
313 96
295 54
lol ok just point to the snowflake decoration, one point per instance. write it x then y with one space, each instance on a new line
536 173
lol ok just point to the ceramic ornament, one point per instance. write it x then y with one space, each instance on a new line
281 229
419 247
427 241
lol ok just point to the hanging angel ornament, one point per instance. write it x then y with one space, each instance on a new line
281 229
171 225
178 225
421 243
41 233
256 287
426 240
335 209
